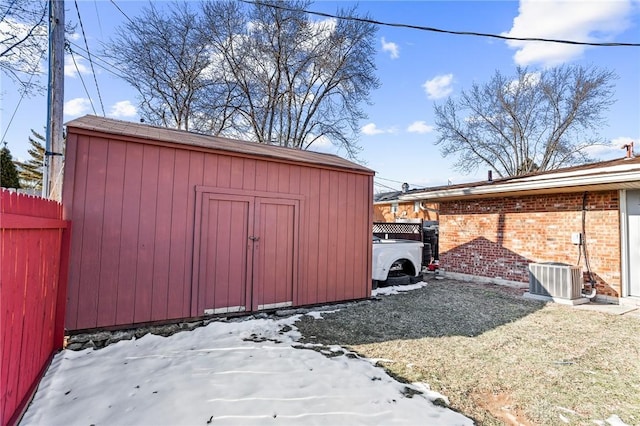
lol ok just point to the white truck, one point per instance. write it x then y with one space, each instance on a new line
396 262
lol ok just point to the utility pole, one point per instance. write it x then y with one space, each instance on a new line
54 149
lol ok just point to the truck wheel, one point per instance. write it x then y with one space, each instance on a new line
417 279
399 279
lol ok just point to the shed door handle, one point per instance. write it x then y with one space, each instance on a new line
254 238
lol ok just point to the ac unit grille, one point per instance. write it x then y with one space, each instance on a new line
555 280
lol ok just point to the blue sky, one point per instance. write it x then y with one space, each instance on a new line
416 69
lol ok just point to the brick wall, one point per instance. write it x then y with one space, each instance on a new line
499 237
406 210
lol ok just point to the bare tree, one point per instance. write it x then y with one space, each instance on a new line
23 41
264 72
164 57
536 121
293 81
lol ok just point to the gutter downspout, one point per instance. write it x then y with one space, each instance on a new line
592 282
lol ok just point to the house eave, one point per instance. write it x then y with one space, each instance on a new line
571 183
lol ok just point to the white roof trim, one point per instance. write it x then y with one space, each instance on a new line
578 178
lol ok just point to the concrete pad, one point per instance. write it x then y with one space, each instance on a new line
559 300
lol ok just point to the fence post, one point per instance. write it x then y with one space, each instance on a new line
61 304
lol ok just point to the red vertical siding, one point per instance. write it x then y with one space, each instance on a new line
322 286
80 148
146 234
196 177
302 291
237 173
93 227
147 191
249 174
178 303
128 251
224 172
111 229
344 287
333 217
162 243
299 234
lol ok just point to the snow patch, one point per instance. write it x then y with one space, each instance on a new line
396 289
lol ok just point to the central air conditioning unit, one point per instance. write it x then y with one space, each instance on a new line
554 279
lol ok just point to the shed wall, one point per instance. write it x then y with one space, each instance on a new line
499 237
133 206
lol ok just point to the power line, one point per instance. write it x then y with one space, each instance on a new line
384 186
396 181
121 11
95 4
81 50
22 95
82 80
439 30
93 71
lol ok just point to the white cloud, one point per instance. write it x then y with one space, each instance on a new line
530 79
123 109
372 129
391 47
28 55
588 21
77 106
323 144
608 151
439 86
325 27
419 127
70 66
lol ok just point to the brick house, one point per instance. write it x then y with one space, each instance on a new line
387 207
491 230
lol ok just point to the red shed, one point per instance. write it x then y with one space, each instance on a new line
169 224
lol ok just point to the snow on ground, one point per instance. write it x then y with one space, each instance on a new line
227 373
384 291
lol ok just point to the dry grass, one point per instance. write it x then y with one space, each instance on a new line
499 359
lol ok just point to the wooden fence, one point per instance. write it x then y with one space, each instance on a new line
34 256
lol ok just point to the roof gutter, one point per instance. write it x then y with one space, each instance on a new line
521 186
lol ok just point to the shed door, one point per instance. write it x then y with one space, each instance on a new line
246 254
275 253
633 212
226 224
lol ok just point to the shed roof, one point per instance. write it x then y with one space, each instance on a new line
607 175
90 124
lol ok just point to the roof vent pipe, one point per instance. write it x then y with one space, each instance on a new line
629 148
489 176
405 187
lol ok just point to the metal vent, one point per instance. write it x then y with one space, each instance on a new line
555 280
